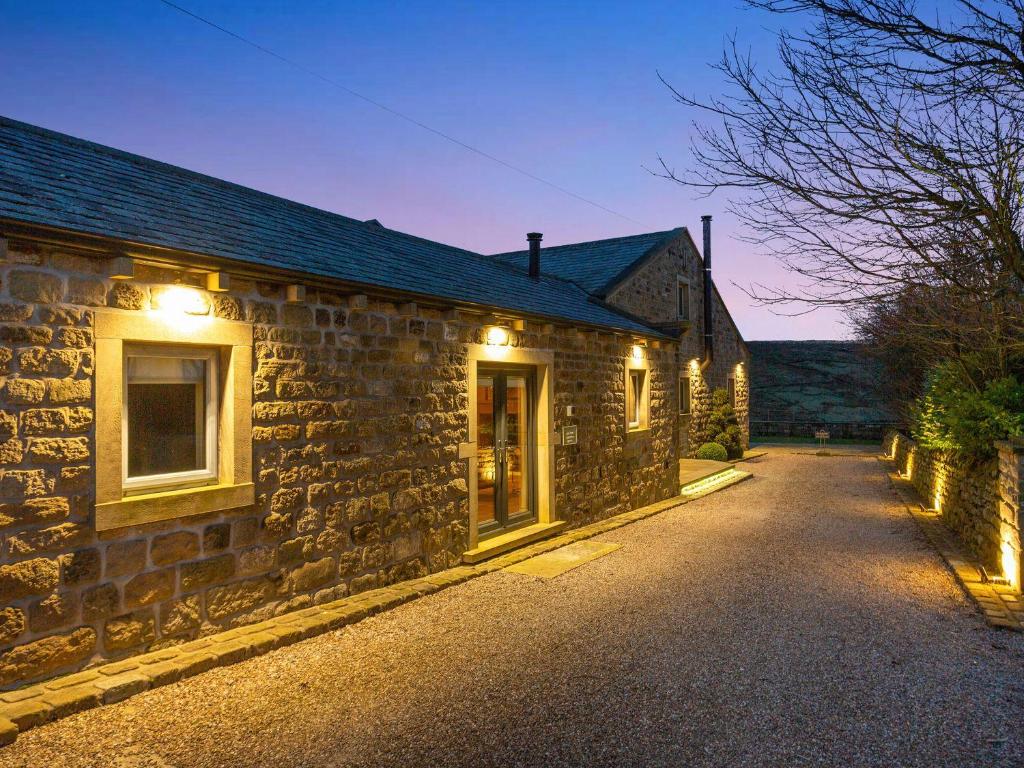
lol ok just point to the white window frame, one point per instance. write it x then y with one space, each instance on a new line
170 480
680 284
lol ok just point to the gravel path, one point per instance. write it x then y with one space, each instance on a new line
794 619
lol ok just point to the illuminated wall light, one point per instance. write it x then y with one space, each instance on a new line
181 304
638 352
497 336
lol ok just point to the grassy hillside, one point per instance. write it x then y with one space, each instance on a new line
814 381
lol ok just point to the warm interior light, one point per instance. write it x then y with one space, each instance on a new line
180 300
497 336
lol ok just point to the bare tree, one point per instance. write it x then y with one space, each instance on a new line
884 156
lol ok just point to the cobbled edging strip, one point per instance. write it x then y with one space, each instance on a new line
60 697
999 604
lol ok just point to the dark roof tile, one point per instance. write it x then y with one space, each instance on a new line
595 266
55 180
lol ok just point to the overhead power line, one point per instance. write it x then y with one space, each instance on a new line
395 112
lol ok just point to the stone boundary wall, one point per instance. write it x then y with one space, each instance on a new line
980 503
359 407
844 430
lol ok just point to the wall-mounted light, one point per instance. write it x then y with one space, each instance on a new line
497 336
637 352
180 300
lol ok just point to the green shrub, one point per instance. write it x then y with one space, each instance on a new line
955 415
712 451
723 426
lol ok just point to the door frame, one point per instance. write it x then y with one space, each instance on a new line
503 521
543 364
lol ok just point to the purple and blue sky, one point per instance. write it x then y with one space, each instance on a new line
566 90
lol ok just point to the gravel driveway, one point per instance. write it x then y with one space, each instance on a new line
794 619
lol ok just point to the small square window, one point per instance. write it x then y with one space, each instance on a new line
684 394
169 417
635 399
683 300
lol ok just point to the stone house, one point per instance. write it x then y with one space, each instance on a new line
218 405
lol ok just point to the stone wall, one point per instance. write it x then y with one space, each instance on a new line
359 406
650 293
980 502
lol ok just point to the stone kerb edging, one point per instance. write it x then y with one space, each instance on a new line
51 700
999 605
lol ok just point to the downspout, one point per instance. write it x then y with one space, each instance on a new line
709 330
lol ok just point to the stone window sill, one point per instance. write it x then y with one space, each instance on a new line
171 505
638 432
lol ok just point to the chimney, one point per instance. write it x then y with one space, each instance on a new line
534 238
709 330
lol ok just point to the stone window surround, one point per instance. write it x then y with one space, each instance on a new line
234 488
682 280
636 362
543 363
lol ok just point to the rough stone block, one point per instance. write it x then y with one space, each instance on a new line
34 511
35 287
125 557
180 615
55 611
238 597
12 451
62 450
25 391
202 573
149 588
63 536
99 602
308 576
126 295
129 631
39 576
216 537
24 483
12 624
88 291
69 390
174 547
81 567
46 656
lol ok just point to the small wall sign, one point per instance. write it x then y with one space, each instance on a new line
569 435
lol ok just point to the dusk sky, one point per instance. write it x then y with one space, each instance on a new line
568 91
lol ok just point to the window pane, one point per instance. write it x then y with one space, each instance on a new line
486 465
635 397
166 415
165 369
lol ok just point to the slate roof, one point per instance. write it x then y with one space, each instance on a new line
597 266
55 180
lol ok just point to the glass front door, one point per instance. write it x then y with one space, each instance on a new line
505 448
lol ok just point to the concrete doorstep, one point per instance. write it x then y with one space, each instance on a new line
51 700
998 603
